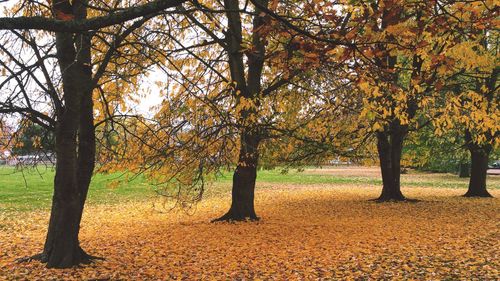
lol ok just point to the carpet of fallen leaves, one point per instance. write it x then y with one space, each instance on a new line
306 232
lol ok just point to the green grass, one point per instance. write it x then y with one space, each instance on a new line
297 177
31 189
416 179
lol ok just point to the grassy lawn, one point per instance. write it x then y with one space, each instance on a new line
30 189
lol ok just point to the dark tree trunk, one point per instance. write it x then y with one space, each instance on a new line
86 147
479 166
243 190
73 176
86 129
390 146
61 246
75 150
249 87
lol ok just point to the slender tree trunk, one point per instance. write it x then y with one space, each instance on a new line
479 167
86 129
390 146
86 148
243 190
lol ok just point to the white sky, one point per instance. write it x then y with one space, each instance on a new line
150 92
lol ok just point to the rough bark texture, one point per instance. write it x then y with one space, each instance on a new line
86 129
390 146
479 167
390 140
75 150
242 205
248 81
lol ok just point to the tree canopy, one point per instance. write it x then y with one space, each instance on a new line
243 84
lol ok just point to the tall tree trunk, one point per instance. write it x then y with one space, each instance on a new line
61 246
75 149
86 129
243 190
73 176
390 147
479 167
249 87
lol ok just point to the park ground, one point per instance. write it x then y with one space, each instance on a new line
315 224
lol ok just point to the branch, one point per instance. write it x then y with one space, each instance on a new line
300 30
95 23
114 46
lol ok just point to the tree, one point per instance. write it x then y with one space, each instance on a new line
405 58
71 114
402 75
483 138
239 85
266 99
213 109
470 101
388 46
5 139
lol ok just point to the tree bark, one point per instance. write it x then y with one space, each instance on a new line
61 248
249 87
390 146
479 167
243 190
86 129
75 150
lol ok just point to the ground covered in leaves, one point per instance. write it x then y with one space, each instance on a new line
307 231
